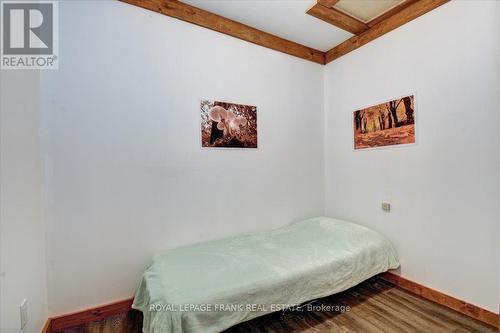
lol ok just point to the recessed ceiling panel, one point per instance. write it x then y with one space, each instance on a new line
284 18
366 10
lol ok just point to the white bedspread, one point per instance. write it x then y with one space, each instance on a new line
211 286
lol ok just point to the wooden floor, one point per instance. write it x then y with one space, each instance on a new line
375 306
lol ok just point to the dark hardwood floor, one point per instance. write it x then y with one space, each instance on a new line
374 306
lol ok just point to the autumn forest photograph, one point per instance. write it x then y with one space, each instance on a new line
386 124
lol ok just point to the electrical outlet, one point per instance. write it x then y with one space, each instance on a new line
386 206
23 309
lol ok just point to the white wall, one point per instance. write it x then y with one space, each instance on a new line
444 190
126 176
22 240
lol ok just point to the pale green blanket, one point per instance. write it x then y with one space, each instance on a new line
211 286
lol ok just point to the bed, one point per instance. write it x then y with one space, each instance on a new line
211 286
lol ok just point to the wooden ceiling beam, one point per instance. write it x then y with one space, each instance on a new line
405 15
328 3
337 18
391 12
191 14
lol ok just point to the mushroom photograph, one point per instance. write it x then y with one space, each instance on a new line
228 125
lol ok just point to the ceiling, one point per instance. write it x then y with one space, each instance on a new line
284 18
316 30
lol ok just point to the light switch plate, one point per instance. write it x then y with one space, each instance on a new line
386 206
23 309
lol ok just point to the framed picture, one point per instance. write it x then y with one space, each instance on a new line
386 124
228 125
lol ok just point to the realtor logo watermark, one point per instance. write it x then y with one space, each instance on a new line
29 34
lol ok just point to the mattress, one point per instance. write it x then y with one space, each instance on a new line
211 286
